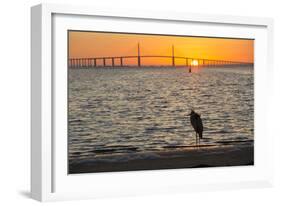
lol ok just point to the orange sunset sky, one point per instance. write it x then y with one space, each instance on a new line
100 44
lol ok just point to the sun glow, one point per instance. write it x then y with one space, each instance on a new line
194 63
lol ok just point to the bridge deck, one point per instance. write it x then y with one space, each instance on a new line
93 62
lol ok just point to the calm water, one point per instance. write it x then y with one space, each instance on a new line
133 111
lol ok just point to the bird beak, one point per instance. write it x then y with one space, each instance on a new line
189 114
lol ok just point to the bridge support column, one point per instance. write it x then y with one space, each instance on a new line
104 63
139 61
112 62
121 61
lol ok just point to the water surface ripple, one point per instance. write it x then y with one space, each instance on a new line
125 111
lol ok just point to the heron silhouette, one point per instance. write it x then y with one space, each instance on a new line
197 125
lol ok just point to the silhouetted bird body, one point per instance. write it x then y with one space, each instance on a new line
197 124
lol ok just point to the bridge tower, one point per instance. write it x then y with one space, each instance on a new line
173 55
139 59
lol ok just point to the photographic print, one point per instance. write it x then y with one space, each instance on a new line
151 101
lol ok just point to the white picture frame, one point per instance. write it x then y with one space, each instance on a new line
49 180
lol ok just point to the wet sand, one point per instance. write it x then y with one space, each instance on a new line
174 159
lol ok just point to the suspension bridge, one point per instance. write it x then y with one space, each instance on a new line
119 61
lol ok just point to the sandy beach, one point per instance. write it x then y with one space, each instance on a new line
173 159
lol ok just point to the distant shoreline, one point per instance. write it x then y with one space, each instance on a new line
187 158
